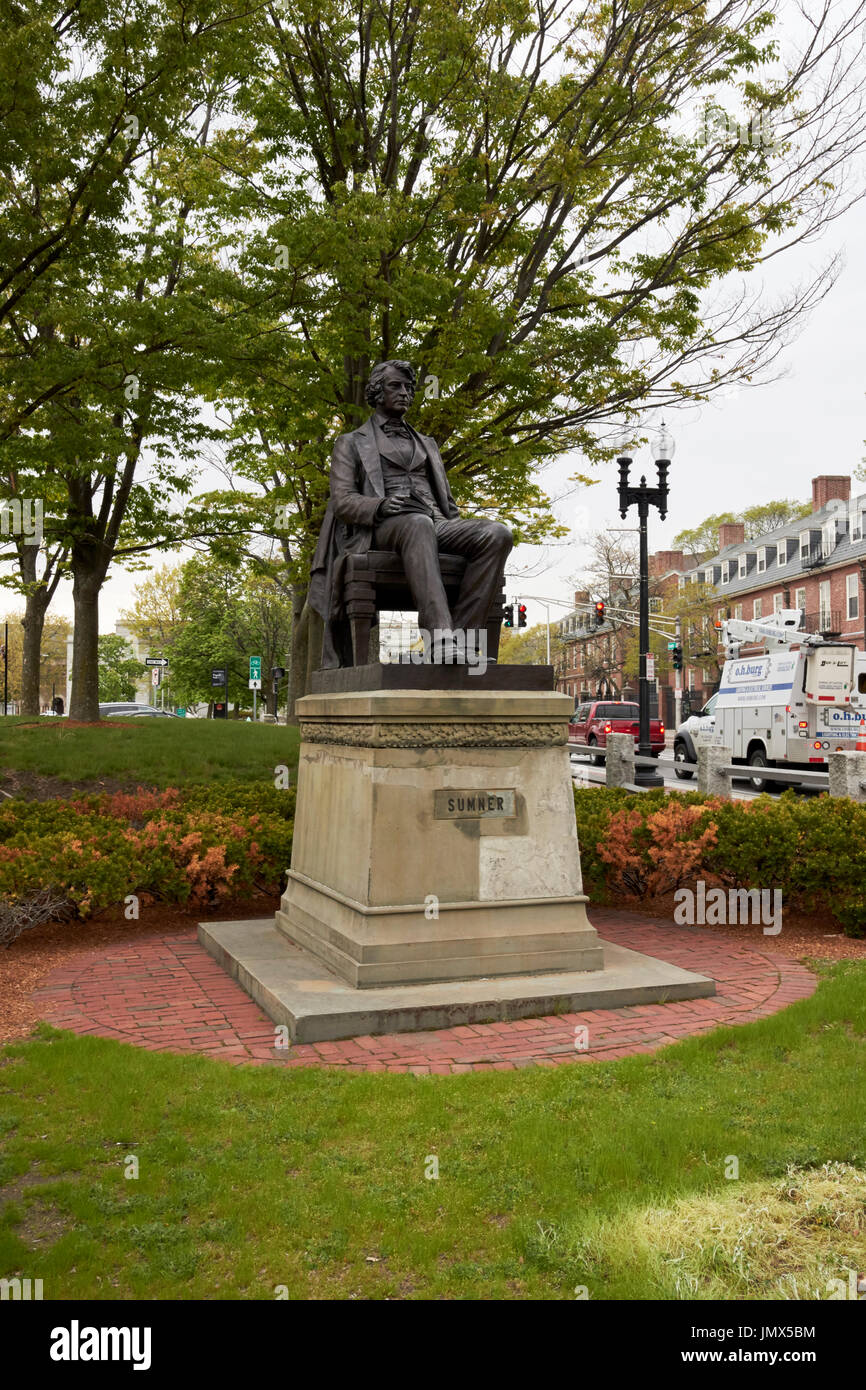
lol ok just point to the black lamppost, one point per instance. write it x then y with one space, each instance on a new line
662 451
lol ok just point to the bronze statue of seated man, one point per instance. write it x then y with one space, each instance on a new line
389 491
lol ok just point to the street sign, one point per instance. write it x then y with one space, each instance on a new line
156 675
255 668
181 712
255 685
650 666
672 646
219 675
156 661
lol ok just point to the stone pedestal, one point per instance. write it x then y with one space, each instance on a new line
435 838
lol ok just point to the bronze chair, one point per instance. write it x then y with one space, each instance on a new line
375 581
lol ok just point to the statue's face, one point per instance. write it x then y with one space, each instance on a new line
397 393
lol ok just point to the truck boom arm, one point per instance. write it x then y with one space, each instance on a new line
781 630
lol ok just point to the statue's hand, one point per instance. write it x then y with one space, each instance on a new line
392 506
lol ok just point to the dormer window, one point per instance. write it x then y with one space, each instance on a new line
782 555
828 538
805 546
726 566
762 559
743 563
855 520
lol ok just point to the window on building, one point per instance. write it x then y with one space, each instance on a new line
726 565
805 545
762 559
742 566
824 603
758 609
828 538
778 602
738 611
656 604
681 582
853 593
800 599
782 553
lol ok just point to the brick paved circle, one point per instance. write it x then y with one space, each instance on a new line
167 994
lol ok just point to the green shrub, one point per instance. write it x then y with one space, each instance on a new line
812 849
203 845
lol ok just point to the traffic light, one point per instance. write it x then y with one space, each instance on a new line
677 654
521 615
599 613
509 615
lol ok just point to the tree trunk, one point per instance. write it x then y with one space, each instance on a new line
37 598
33 623
86 584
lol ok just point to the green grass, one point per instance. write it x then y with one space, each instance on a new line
608 1176
156 752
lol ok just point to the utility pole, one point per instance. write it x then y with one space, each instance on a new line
6 669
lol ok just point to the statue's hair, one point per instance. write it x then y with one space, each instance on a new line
376 385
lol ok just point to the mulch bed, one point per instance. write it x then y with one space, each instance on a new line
804 936
40 786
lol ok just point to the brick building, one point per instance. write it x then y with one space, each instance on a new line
816 564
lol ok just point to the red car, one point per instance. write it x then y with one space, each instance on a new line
591 723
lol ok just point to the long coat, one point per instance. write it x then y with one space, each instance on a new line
357 488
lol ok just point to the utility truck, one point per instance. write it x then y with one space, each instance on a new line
791 702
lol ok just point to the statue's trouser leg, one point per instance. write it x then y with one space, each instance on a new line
486 545
414 538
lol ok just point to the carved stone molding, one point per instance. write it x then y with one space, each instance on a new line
447 734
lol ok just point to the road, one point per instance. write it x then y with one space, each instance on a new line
585 774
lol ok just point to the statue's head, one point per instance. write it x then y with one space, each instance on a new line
392 386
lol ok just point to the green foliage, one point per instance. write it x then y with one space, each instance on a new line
175 846
758 520
227 612
119 672
813 850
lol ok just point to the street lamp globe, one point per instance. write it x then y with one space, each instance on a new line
663 445
623 440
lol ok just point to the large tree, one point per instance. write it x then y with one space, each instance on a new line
107 311
518 199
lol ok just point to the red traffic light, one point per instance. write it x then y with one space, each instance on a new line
599 613
521 615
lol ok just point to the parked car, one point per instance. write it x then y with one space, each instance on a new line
592 722
130 709
685 750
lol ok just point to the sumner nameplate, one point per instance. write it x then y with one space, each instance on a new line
449 804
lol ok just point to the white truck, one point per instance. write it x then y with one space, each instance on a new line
786 706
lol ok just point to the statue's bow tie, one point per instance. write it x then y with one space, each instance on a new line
398 427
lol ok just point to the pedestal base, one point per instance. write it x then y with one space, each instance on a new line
295 989
435 838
